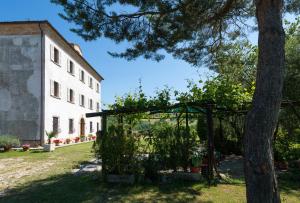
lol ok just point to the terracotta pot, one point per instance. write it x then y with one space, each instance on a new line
195 169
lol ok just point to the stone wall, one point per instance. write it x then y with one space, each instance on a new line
20 86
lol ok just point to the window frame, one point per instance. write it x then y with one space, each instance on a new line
58 124
81 100
69 98
91 104
71 131
71 67
91 82
53 90
53 55
82 76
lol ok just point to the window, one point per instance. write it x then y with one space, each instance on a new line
81 100
55 54
98 127
55 124
82 76
55 89
71 96
71 126
98 106
91 104
71 67
91 82
91 127
97 87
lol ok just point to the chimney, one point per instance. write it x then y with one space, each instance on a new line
77 48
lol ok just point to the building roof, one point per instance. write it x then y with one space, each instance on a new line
56 32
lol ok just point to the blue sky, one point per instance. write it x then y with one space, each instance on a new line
120 75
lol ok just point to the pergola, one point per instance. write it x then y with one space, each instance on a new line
207 108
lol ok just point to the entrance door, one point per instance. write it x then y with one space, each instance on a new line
82 127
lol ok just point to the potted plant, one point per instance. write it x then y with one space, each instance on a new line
94 137
68 141
8 141
82 138
76 139
57 142
90 137
49 147
26 147
196 161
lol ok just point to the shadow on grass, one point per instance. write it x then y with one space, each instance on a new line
89 188
289 182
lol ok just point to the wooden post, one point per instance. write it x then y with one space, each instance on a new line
187 138
104 134
210 143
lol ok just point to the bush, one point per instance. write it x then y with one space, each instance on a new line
8 141
174 146
119 152
284 148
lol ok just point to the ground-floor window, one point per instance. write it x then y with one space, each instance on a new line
55 124
91 127
71 126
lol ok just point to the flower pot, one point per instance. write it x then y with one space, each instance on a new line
26 148
195 169
68 141
49 147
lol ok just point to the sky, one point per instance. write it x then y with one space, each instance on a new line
120 76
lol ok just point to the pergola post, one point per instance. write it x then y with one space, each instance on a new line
210 144
103 137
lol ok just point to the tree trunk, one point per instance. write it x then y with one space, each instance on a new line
261 120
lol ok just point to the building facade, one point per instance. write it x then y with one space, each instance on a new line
45 84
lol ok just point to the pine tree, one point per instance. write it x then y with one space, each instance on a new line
191 30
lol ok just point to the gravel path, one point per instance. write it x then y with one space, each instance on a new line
13 171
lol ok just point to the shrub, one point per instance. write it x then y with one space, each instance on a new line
174 146
82 138
8 141
119 152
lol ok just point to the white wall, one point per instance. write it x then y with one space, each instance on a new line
61 107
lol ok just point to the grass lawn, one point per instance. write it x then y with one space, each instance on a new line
57 184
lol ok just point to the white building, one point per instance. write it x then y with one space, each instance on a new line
45 84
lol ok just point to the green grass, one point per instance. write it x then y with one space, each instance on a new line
59 185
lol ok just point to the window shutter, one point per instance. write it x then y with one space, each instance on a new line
51 87
51 52
68 66
68 95
73 96
59 57
59 90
